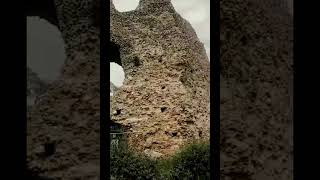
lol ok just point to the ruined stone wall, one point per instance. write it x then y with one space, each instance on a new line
63 128
256 90
165 96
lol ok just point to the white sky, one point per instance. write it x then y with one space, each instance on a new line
45 53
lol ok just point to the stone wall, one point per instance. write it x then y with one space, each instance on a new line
165 95
63 128
256 90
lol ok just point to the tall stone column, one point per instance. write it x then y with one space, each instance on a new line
164 101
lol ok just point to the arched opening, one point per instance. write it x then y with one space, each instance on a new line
116 74
45 55
45 48
117 136
116 71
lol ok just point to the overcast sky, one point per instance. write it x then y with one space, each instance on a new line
45 54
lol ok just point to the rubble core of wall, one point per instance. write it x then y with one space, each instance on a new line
165 94
63 127
256 90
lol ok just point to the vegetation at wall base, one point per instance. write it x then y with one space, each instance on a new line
192 162
128 165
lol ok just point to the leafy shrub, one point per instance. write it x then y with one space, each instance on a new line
192 162
128 165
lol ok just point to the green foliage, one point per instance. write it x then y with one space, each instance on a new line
192 162
128 165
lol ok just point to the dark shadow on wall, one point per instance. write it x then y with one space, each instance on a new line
114 53
31 175
44 9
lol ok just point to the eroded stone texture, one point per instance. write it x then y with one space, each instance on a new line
63 127
35 86
165 97
256 90
113 89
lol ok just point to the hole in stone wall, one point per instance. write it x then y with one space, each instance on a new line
163 109
45 55
116 76
45 48
174 133
136 61
116 71
243 40
189 122
118 111
49 148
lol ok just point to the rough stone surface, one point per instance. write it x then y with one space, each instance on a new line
63 127
113 89
35 86
256 90
165 96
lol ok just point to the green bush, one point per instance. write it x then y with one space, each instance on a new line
192 162
128 165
